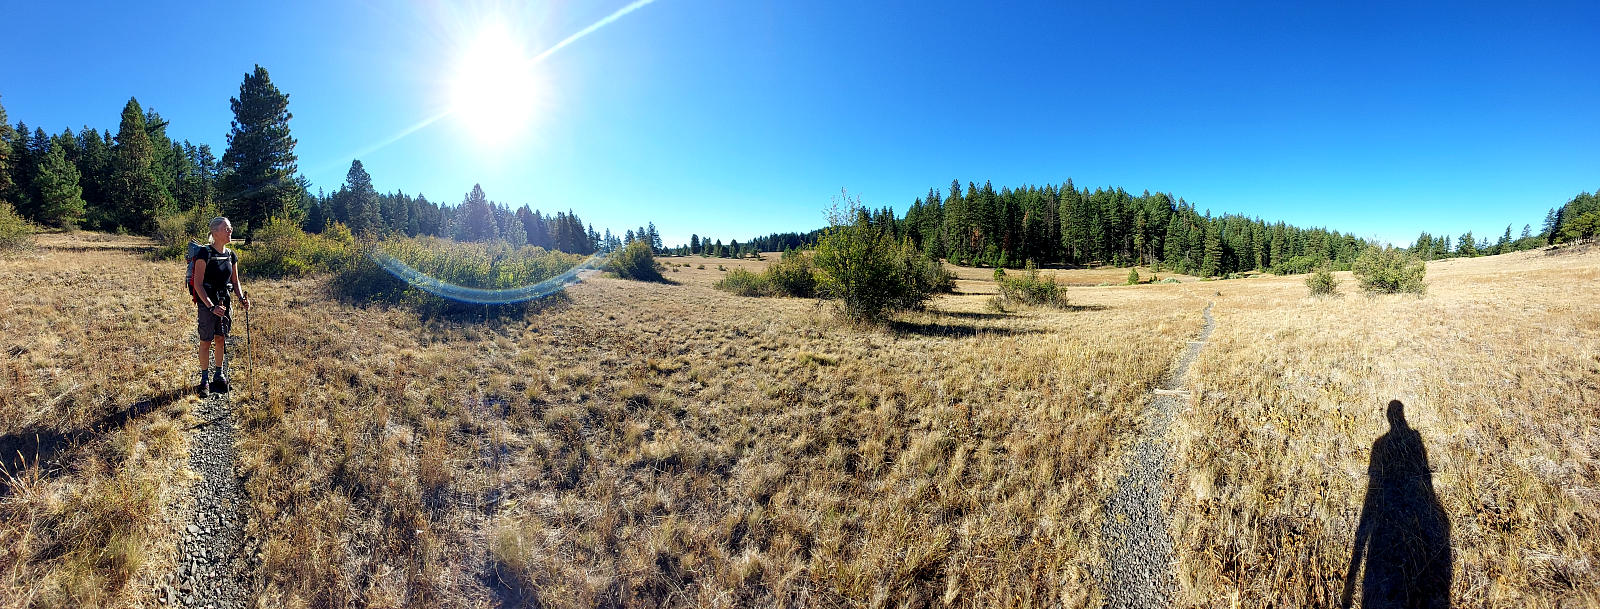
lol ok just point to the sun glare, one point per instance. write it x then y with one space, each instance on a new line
495 89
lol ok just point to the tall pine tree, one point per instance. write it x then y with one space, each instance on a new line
135 197
60 197
260 159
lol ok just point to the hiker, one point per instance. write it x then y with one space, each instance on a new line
215 271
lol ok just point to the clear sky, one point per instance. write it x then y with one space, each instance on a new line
733 118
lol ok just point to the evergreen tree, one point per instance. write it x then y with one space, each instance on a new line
1504 245
60 197
6 137
1211 266
655 238
260 157
477 219
1466 247
135 197
358 202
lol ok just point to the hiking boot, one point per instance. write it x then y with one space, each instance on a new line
202 388
219 381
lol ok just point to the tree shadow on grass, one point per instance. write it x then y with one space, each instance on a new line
44 448
1404 533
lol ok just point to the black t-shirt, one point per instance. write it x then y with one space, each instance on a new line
219 272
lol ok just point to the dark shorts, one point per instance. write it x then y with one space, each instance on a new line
210 326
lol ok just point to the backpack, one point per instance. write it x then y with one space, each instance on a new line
189 269
195 250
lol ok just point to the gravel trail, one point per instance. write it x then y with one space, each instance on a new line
1138 554
214 556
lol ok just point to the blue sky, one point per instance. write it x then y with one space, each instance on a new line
733 119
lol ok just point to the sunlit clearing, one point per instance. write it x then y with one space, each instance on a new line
495 87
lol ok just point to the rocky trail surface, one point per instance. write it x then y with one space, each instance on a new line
1138 555
214 555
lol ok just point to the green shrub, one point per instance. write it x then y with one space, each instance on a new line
999 274
282 249
15 232
1031 289
1390 270
174 231
793 275
635 261
1322 283
1133 276
867 271
745 283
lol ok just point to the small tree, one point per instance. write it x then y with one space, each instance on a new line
636 262
15 232
1322 283
1133 276
1390 270
863 267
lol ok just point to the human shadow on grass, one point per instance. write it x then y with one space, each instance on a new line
43 448
953 330
1404 534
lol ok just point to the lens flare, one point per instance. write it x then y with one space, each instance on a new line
422 281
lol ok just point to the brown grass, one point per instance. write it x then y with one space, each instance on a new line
88 386
1498 367
652 444
647 443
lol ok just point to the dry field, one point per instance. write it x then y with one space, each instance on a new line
646 444
1498 371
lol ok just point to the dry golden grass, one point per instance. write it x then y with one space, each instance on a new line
1498 367
650 444
89 385
647 443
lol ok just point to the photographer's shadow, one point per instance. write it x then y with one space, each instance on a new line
1404 534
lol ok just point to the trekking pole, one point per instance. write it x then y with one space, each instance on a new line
249 367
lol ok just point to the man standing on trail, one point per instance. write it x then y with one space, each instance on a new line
216 273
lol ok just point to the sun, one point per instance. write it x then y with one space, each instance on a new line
495 88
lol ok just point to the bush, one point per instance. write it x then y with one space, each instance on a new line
635 261
1322 283
793 275
1031 289
282 249
175 230
15 232
1133 276
746 283
869 273
1390 270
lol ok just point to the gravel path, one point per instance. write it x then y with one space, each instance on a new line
214 554
1138 554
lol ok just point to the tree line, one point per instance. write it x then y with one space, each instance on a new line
1065 224
127 181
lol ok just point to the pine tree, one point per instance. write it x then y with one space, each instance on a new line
358 201
260 157
478 223
60 197
1504 245
6 136
1211 266
1466 247
135 195
655 238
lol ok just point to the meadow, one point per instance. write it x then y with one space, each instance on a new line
643 444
